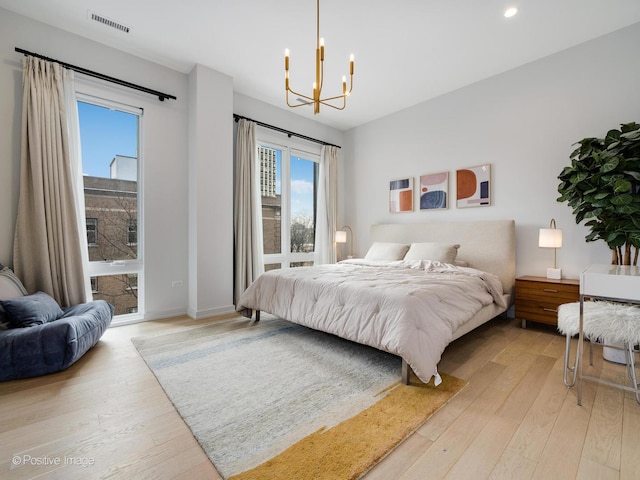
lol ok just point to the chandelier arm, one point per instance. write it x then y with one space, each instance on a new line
298 104
328 99
344 104
300 95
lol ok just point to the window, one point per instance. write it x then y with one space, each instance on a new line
111 160
92 232
288 184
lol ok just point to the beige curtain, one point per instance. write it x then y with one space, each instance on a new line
247 217
46 252
327 213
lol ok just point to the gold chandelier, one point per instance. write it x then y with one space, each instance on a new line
317 99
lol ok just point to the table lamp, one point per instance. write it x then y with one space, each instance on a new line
551 238
341 237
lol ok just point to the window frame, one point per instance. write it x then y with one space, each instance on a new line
290 147
88 94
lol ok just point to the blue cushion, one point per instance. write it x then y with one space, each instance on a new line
32 310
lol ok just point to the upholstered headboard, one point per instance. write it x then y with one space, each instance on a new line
488 245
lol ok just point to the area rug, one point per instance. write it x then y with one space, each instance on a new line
275 400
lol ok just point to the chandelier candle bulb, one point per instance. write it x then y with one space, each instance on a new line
286 60
344 85
351 60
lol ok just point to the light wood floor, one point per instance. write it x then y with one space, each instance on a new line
515 419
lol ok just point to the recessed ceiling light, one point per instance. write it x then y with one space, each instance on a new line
510 12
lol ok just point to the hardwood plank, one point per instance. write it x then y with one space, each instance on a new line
452 444
561 455
512 465
483 453
630 451
590 470
531 437
604 435
444 417
525 393
394 464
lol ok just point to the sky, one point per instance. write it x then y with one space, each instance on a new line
105 133
301 184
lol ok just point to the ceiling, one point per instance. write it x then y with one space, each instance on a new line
406 51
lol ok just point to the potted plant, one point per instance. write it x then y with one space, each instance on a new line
602 185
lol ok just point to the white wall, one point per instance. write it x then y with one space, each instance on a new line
524 123
210 193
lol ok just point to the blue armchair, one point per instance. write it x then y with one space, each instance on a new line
46 345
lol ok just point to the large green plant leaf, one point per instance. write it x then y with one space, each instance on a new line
622 186
602 185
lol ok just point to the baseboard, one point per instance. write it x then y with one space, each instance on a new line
176 312
210 312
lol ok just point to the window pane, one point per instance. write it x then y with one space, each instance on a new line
121 291
270 182
272 266
303 204
110 166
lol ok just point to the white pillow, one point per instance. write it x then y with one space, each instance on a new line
386 251
439 252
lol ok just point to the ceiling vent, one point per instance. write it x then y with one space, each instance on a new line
108 22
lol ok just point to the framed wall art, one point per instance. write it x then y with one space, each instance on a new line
434 191
401 195
473 186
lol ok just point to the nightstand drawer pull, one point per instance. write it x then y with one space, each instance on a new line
550 290
554 310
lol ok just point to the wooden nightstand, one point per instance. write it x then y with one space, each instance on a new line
538 298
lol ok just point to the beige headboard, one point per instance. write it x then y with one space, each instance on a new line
488 245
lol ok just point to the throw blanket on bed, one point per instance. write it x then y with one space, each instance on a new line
408 308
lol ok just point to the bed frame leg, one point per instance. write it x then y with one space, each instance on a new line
257 315
406 372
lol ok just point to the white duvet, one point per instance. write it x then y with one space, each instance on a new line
408 308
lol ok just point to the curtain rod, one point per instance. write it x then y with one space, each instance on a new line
237 117
161 96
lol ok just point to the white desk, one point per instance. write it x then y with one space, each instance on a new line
616 283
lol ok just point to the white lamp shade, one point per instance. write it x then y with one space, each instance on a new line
341 236
550 238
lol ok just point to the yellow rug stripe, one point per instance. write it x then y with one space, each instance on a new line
352 447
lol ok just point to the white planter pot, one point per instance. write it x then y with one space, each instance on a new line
613 354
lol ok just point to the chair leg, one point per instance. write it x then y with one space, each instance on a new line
631 368
567 368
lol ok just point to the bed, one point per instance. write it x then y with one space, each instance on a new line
396 300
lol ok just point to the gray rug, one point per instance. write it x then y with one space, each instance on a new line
249 390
